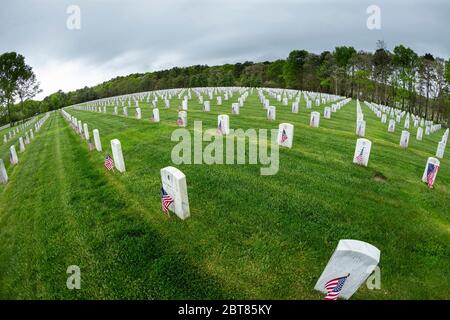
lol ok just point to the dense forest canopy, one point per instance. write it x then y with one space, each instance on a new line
401 78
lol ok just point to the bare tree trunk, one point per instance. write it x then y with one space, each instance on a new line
8 102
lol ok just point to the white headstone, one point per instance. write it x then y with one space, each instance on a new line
86 131
315 119
352 259
404 139
125 111
440 150
80 128
21 145
419 133
285 134
3 173
115 110
206 106
223 124
327 113
361 128
182 119
235 108
391 127
359 116
138 113
155 115
184 105
271 113
362 152
31 134
174 185
383 118
431 169
219 100
427 130
13 155
116 147
295 107
97 141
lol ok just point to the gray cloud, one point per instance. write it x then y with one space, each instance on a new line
119 37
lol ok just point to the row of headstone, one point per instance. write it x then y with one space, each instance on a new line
153 97
442 144
174 188
405 135
362 154
83 130
22 127
396 115
23 141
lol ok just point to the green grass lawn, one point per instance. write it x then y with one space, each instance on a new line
249 236
4 147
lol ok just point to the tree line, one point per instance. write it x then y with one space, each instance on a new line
400 78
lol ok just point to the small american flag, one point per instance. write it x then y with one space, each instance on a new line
109 163
284 136
313 120
166 201
334 287
360 157
431 173
180 121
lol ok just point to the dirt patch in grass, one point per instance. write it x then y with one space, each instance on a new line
379 177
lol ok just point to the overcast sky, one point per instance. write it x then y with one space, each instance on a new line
122 37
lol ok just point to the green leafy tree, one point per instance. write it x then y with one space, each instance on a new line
405 62
293 69
16 79
344 59
275 73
